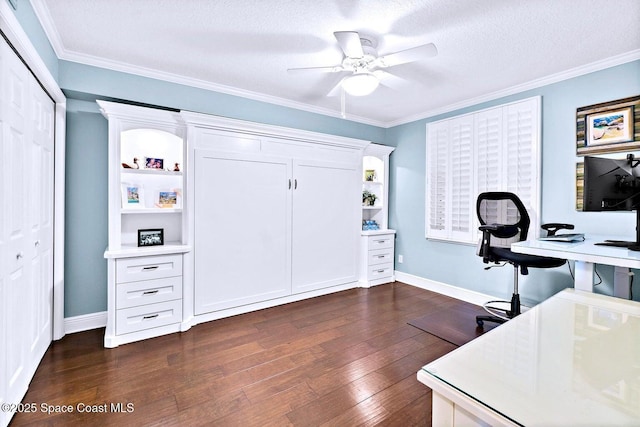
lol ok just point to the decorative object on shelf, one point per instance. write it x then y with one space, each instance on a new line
369 224
167 199
368 198
132 196
176 167
370 175
608 127
153 163
151 237
135 164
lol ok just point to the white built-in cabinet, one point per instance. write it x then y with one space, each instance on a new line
262 215
26 227
145 283
275 214
377 246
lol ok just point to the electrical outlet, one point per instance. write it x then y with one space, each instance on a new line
400 259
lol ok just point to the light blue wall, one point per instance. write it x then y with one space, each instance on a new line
457 264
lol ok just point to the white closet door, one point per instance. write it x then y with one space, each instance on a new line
15 275
242 229
326 224
40 222
26 226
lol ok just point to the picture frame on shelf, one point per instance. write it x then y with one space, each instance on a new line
169 198
151 237
132 196
370 175
153 163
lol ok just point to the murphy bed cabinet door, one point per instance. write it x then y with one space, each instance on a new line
242 229
326 224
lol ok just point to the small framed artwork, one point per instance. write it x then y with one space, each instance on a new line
167 199
151 237
153 163
608 127
132 196
370 175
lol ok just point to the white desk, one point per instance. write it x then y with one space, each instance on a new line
586 255
572 360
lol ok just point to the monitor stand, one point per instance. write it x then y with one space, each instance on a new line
632 246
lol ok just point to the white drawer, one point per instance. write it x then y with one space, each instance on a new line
148 292
380 256
380 271
149 267
381 242
148 316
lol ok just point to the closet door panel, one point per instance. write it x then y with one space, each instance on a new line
16 175
326 224
40 227
242 229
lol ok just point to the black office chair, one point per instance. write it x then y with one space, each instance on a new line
504 220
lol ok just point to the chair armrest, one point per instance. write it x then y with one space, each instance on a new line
552 227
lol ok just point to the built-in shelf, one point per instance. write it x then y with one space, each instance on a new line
150 211
128 251
372 207
151 172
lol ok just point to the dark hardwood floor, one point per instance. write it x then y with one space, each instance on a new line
344 359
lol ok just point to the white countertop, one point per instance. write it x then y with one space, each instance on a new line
572 360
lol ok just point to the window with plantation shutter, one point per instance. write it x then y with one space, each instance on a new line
496 149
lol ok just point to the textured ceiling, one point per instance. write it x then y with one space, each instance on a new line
486 48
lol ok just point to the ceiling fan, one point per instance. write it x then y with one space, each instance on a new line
362 61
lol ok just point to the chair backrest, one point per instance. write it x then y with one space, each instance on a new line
503 208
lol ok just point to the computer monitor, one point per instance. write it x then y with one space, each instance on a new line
613 185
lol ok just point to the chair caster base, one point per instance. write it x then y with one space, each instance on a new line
481 319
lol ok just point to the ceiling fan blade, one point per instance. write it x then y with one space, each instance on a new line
390 80
409 55
336 90
329 69
350 44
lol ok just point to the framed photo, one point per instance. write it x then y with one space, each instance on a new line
132 196
608 127
370 175
167 199
151 237
153 163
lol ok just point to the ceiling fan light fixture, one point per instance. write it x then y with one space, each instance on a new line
360 84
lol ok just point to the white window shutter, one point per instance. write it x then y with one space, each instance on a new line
437 162
496 149
460 210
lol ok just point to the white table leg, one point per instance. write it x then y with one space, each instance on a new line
584 276
621 283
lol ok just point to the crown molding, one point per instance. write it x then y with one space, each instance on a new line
534 84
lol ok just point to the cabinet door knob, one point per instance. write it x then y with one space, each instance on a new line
19 255
289 183
36 243
295 184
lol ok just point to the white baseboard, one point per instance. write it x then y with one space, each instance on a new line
85 322
472 297
90 321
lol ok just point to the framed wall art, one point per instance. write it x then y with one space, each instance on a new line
608 127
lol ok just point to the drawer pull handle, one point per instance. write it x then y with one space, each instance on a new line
382 256
151 316
380 241
381 271
155 291
153 267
